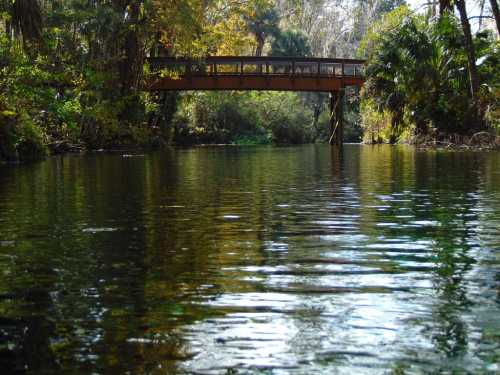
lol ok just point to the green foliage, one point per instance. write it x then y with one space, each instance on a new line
242 118
416 77
290 43
71 73
263 22
386 6
377 124
258 139
353 131
20 138
23 99
73 70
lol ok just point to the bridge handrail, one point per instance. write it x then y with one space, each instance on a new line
198 66
225 59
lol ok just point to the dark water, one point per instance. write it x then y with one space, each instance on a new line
252 260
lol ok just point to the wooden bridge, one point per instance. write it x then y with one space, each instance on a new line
264 73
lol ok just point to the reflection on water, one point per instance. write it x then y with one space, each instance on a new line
252 260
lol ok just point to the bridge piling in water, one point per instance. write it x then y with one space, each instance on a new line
337 117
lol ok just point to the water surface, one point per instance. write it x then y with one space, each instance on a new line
252 260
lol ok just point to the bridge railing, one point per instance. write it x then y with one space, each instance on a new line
251 65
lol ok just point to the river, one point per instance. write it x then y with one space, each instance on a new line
252 260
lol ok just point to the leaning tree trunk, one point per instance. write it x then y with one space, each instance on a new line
471 62
496 13
469 48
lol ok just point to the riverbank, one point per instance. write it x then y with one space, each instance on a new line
33 149
477 141
68 148
20 143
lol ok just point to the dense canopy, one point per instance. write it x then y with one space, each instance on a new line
72 71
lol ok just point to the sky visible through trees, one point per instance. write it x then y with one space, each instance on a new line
473 7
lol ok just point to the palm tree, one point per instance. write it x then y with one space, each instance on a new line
290 43
447 6
262 25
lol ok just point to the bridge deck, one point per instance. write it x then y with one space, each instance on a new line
257 73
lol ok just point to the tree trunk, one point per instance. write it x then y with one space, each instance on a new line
131 71
480 26
471 62
316 113
167 101
469 48
444 6
260 45
8 31
496 13
433 6
27 19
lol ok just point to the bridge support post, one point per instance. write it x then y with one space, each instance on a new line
337 117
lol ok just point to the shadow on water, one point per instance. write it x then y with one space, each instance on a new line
251 259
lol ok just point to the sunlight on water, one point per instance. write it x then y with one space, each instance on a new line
252 260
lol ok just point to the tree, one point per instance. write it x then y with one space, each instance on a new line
262 24
496 13
415 77
469 47
290 43
27 19
445 6
386 6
